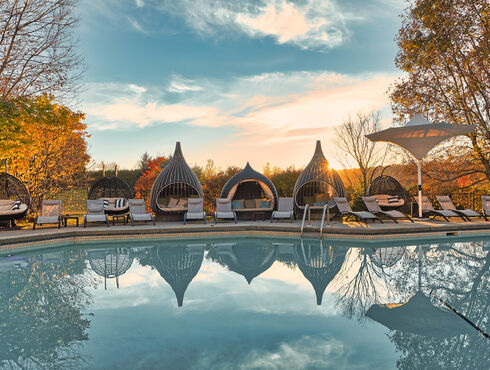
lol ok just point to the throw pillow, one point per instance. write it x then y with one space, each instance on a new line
394 199
249 203
16 205
237 204
172 202
265 204
106 203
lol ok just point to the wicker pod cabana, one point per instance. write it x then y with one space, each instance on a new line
246 258
172 188
12 190
250 191
389 193
112 189
319 265
110 263
178 265
318 183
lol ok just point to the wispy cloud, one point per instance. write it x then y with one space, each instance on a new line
179 85
139 3
135 24
318 24
274 111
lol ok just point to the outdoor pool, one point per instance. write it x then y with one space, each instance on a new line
248 302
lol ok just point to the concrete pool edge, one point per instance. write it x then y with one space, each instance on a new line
29 240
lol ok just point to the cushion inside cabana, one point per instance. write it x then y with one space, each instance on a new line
112 205
251 196
6 207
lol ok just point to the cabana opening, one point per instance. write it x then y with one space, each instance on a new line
173 187
389 193
12 190
112 189
250 192
318 183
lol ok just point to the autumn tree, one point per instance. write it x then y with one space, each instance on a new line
444 48
350 139
144 183
37 48
50 145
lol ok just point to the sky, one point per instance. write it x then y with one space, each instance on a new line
233 81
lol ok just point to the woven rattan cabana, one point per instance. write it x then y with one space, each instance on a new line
387 256
110 263
318 183
12 190
246 257
178 265
319 264
110 189
173 186
386 189
253 191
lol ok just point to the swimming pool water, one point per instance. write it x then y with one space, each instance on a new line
247 302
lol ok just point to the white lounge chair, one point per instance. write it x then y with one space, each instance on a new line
373 207
195 210
223 210
95 212
428 210
344 209
485 204
285 210
50 213
137 211
447 204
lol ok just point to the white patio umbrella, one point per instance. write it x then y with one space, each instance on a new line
418 137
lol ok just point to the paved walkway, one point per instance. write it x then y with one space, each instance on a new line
12 239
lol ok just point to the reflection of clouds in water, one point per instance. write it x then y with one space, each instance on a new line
306 352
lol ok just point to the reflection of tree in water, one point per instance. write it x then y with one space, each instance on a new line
319 264
178 265
363 289
459 275
41 313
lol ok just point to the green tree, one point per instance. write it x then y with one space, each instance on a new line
444 49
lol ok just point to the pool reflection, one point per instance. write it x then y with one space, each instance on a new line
432 297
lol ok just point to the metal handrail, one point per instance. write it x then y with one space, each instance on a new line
326 209
305 211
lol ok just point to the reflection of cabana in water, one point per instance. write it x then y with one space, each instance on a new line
246 258
318 183
172 188
385 256
250 191
110 263
178 265
319 265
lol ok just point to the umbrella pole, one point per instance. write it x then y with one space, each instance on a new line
419 187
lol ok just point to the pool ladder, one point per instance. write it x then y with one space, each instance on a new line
326 212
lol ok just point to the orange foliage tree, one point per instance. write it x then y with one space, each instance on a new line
49 151
143 185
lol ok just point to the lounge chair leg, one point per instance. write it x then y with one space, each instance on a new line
34 224
153 220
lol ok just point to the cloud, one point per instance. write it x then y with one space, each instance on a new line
309 24
139 3
180 85
134 23
271 115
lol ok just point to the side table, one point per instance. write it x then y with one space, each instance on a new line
117 218
69 217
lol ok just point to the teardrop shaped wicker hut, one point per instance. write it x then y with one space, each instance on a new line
383 187
319 265
110 187
110 263
12 189
173 186
318 183
246 257
252 188
178 265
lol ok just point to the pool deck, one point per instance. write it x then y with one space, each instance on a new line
14 240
